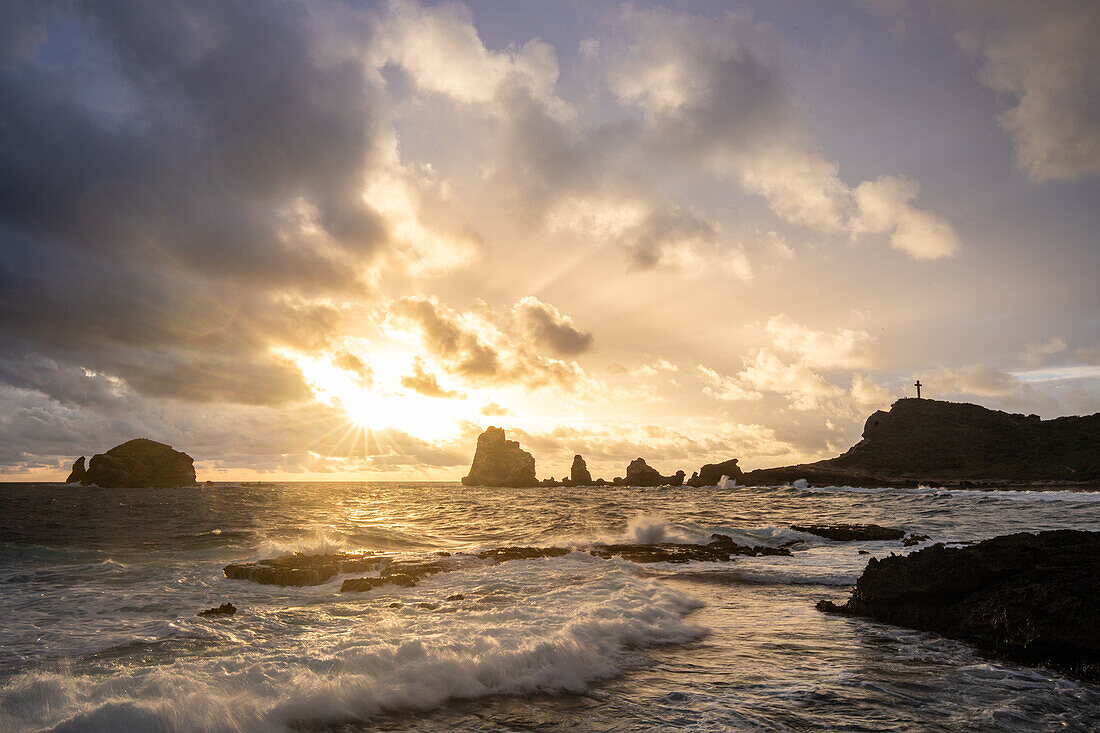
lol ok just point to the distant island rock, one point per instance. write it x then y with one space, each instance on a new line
948 443
640 473
500 462
712 473
136 464
578 473
1025 597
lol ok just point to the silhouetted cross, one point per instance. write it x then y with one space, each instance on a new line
918 386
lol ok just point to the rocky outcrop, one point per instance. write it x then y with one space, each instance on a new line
639 473
851 532
226 609
76 476
579 474
304 570
712 473
500 462
922 441
1026 597
721 548
137 464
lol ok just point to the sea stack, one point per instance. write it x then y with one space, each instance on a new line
500 462
640 473
712 473
579 474
137 464
77 474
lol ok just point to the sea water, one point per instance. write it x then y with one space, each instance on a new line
99 590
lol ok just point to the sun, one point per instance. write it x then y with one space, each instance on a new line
374 398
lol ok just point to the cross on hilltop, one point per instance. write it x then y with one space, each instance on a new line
918 385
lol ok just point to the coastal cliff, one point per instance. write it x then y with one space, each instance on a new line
929 441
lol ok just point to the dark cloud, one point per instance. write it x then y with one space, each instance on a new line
545 326
427 384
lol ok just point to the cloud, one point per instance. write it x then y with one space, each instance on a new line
426 383
883 208
1035 354
724 388
1042 57
842 348
545 326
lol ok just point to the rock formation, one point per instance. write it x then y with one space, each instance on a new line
946 443
712 473
1026 597
851 532
500 462
137 464
639 473
226 609
578 474
77 474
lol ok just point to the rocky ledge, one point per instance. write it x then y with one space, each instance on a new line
850 532
1026 597
136 464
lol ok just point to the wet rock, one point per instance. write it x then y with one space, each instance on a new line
712 473
1025 597
721 548
304 570
639 473
456 597
395 605
500 462
578 472
360 585
915 539
428 606
226 609
863 552
76 476
402 579
138 464
504 554
850 532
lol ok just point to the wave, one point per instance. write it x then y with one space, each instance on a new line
1087 497
541 626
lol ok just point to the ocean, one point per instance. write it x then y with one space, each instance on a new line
99 590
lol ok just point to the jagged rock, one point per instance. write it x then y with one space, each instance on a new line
139 464
914 539
1026 597
76 476
359 585
851 532
504 554
456 597
719 549
578 473
639 473
226 609
712 473
304 570
500 462
920 441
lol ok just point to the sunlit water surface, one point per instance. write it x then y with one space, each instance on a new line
99 590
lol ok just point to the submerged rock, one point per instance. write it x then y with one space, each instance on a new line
138 464
504 554
578 473
226 609
712 473
1026 597
640 473
76 476
851 532
500 462
304 570
720 549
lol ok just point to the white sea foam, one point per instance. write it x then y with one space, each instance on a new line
526 627
321 543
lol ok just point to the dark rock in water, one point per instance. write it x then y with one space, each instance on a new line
77 474
915 539
359 585
304 570
428 606
639 473
922 441
139 464
1026 597
456 597
504 554
208 483
719 549
226 609
578 472
851 532
395 604
500 462
712 473
862 552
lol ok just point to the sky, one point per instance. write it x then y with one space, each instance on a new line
337 240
